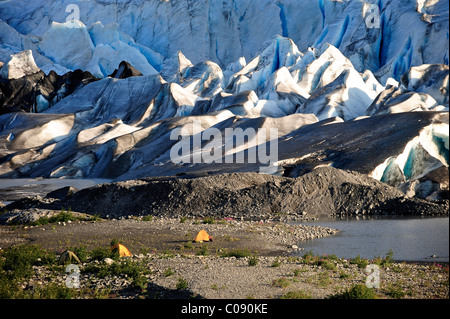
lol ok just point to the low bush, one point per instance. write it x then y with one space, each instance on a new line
359 291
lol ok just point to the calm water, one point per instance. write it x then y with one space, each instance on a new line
411 239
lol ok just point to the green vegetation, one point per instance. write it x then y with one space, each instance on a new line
203 251
63 217
360 262
386 261
298 294
358 291
208 220
281 282
182 284
28 271
183 219
16 262
168 272
147 218
276 263
253 261
395 292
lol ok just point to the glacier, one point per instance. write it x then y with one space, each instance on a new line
409 33
349 84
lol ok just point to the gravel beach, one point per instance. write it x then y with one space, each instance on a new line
215 270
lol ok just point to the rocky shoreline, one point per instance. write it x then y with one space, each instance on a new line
265 237
245 260
254 252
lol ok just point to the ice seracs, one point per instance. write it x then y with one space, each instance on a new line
68 44
432 79
19 65
345 88
347 97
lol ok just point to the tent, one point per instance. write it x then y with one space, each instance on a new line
68 256
202 236
123 251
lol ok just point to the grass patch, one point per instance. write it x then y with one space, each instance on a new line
327 264
395 292
182 284
208 220
16 262
147 218
358 291
276 263
124 267
203 251
253 261
62 217
386 261
281 282
360 262
183 219
168 272
298 294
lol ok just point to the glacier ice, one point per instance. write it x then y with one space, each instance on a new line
409 34
334 77
19 65
423 154
67 44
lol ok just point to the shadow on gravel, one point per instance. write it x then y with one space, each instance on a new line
155 291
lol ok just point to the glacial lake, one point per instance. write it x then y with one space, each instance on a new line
410 238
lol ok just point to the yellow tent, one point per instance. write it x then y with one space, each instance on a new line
123 251
202 236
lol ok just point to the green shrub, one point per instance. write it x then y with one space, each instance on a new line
361 262
81 252
326 264
253 261
208 220
99 253
281 282
386 261
168 272
63 217
183 219
147 218
18 261
51 291
140 282
125 266
203 251
182 283
358 292
276 263
299 294
395 292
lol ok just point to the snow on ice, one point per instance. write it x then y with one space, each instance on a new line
335 77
